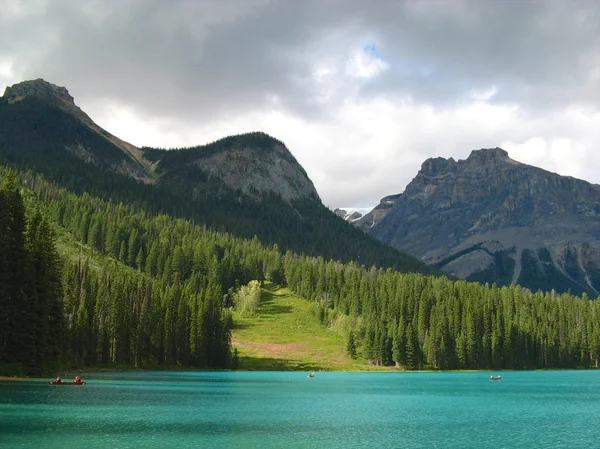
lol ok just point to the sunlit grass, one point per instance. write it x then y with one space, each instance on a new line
285 334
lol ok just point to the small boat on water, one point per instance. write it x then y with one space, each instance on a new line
59 381
495 377
311 375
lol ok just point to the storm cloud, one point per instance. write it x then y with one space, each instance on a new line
361 92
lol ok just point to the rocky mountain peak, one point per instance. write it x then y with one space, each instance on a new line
42 89
38 88
59 97
253 163
437 166
492 219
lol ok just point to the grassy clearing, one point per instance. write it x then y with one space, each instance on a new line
284 334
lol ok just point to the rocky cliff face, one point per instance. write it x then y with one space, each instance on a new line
492 219
256 170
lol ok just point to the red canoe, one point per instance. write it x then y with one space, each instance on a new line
65 383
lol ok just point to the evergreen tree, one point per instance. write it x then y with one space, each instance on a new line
351 345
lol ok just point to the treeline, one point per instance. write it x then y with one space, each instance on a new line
417 321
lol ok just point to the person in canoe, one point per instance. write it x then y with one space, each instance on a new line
59 381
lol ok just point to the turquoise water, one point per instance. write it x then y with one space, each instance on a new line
332 410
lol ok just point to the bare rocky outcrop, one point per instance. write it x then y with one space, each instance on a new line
256 171
39 88
492 219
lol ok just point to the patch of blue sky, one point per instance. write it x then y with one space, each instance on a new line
372 50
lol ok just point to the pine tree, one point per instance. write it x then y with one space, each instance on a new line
411 348
351 345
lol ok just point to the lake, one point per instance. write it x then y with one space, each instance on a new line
194 409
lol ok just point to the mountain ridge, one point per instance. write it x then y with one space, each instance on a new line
41 133
277 164
490 218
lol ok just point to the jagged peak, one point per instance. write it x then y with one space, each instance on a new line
39 88
59 97
437 165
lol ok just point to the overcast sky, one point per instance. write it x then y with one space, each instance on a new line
361 92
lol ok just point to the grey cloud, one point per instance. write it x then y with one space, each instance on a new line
536 53
219 58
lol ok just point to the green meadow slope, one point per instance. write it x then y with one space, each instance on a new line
285 334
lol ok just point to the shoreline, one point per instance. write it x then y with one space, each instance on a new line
391 371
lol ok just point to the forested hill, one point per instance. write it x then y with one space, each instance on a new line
41 135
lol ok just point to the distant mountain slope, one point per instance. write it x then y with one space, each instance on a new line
249 185
492 219
370 219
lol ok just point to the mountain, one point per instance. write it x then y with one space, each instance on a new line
248 185
35 102
254 164
491 219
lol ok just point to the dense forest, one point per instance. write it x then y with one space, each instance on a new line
161 314
156 291
417 321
